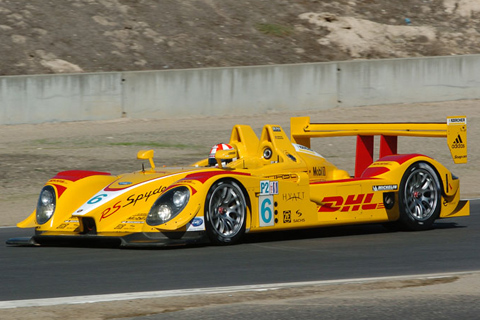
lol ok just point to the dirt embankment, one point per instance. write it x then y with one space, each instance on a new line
40 36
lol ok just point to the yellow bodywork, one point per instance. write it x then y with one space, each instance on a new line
286 184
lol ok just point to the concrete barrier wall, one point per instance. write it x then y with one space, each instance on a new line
229 91
408 80
236 91
47 98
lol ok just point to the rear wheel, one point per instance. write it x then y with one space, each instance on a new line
225 212
419 197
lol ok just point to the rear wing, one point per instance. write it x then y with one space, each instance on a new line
455 130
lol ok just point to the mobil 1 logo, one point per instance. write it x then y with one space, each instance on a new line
265 202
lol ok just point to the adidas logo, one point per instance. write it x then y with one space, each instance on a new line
458 143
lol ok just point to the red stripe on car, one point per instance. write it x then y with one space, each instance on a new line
74 175
374 171
400 158
60 190
204 176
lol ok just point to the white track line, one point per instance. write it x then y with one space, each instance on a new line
214 290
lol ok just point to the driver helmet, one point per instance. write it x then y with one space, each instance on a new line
221 146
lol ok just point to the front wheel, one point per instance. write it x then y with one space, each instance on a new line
225 212
419 197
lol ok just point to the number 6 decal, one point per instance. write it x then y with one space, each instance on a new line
265 209
96 199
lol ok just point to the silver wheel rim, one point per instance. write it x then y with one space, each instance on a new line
227 210
421 194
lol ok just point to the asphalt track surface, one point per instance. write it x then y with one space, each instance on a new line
310 255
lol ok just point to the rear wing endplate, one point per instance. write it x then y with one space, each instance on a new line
455 130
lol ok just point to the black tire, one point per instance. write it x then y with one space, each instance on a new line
225 212
419 197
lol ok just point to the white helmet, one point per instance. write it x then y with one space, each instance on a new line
221 146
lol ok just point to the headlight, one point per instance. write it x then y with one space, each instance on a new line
46 204
168 206
180 198
164 212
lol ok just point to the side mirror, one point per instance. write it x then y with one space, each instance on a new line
225 155
146 155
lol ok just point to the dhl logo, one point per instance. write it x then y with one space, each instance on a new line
352 203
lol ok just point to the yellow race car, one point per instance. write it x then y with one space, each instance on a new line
256 185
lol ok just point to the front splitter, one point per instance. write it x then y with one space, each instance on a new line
134 240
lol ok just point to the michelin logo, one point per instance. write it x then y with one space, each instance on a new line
391 187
